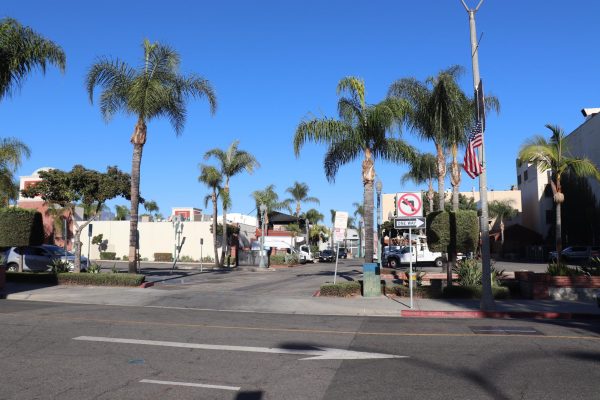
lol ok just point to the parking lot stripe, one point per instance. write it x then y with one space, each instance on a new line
200 385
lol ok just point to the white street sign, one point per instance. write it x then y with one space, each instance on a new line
410 204
341 220
323 353
408 222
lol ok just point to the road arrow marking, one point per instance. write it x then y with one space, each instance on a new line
323 353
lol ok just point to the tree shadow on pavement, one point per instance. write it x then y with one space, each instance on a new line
250 395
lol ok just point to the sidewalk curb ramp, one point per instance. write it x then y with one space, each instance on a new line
499 315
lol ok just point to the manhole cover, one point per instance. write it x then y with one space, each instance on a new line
505 330
137 361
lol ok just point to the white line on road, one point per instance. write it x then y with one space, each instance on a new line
316 354
201 385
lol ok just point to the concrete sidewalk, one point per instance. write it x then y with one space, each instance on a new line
184 297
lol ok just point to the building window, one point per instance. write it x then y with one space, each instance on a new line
519 179
549 216
525 175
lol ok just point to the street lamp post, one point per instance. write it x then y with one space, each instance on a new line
378 187
263 211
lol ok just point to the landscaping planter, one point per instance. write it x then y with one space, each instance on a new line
545 286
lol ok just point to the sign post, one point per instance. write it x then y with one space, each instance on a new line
410 223
201 258
89 241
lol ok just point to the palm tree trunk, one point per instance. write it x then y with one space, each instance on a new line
135 203
224 245
214 224
368 205
558 230
501 231
455 178
430 195
441 175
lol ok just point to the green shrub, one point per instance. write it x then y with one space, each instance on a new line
163 257
561 269
207 259
125 258
473 292
70 278
424 292
186 259
343 289
107 255
20 227
32 277
94 269
59 265
455 227
470 273
284 259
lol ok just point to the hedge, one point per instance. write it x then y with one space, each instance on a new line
70 278
444 227
343 289
424 292
163 257
21 227
107 255
474 292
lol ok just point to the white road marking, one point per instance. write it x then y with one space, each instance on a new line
201 385
316 354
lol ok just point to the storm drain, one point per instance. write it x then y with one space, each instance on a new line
504 330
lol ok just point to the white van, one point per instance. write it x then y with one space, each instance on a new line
419 254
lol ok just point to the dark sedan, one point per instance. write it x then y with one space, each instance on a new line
327 256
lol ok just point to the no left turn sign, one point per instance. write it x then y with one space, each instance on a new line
410 205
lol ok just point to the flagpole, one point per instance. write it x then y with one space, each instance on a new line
487 300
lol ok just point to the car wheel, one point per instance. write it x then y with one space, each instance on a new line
12 267
439 262
393 262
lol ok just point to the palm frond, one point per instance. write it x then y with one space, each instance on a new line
353 86
340 153
320 131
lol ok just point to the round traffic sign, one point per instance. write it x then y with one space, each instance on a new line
410 204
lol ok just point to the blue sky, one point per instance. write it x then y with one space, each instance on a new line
273 63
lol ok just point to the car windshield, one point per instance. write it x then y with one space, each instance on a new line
327 252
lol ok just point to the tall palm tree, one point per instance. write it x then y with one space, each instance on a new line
299 193
313 216
155 90
502 209
12 152
212 178
270 199
437 113
361 130
554 155
232 162
422 170
21 51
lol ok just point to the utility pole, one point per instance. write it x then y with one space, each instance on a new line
487 300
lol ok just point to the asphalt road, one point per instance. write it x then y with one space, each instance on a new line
266 358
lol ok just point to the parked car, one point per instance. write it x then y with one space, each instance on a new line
342 253
327 256
576 254
39 258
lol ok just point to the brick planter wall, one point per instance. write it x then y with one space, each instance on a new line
545 286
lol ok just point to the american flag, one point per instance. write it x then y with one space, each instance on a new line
471 163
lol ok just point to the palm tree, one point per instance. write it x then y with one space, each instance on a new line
437 113
155 90
422 170
554 155
12 152
151 207
121 213
212 178
299 193
270 199
232 162
21 51
502 209
361 130
313 216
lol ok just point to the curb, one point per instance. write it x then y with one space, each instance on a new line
498 314
146 285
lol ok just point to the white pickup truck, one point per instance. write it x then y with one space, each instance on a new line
419 253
